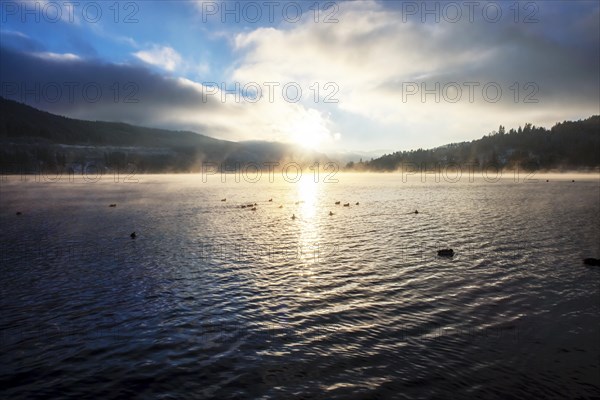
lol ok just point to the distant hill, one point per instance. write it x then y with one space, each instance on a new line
567 145
31 139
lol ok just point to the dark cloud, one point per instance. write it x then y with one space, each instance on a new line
93 89
558 54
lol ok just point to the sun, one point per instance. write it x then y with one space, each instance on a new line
309 131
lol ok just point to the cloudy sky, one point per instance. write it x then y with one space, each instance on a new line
361 76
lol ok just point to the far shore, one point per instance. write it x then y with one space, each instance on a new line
307 175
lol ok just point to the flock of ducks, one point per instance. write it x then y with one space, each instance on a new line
441 253
252 206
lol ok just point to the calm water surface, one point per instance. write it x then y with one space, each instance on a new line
215 301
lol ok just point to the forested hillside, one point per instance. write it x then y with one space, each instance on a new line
567 145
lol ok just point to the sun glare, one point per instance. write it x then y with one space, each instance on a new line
309 131
307 192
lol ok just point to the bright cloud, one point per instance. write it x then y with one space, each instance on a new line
161 56
57 57
397 83
426 80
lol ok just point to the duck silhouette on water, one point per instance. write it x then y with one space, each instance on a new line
330 213
445 253
293 216
133 235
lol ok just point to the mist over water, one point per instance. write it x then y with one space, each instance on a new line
212 300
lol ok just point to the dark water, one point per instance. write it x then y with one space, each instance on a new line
215 301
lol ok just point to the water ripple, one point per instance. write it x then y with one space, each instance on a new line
215 301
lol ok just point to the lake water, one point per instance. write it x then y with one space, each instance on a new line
215 301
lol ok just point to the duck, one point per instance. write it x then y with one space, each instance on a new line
243 206
347 205
416 212
112 205
281 206
445 253
19 213
330 213
293 216
337 203
592 261
253 209
133 235
357 203
223 199
270 200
